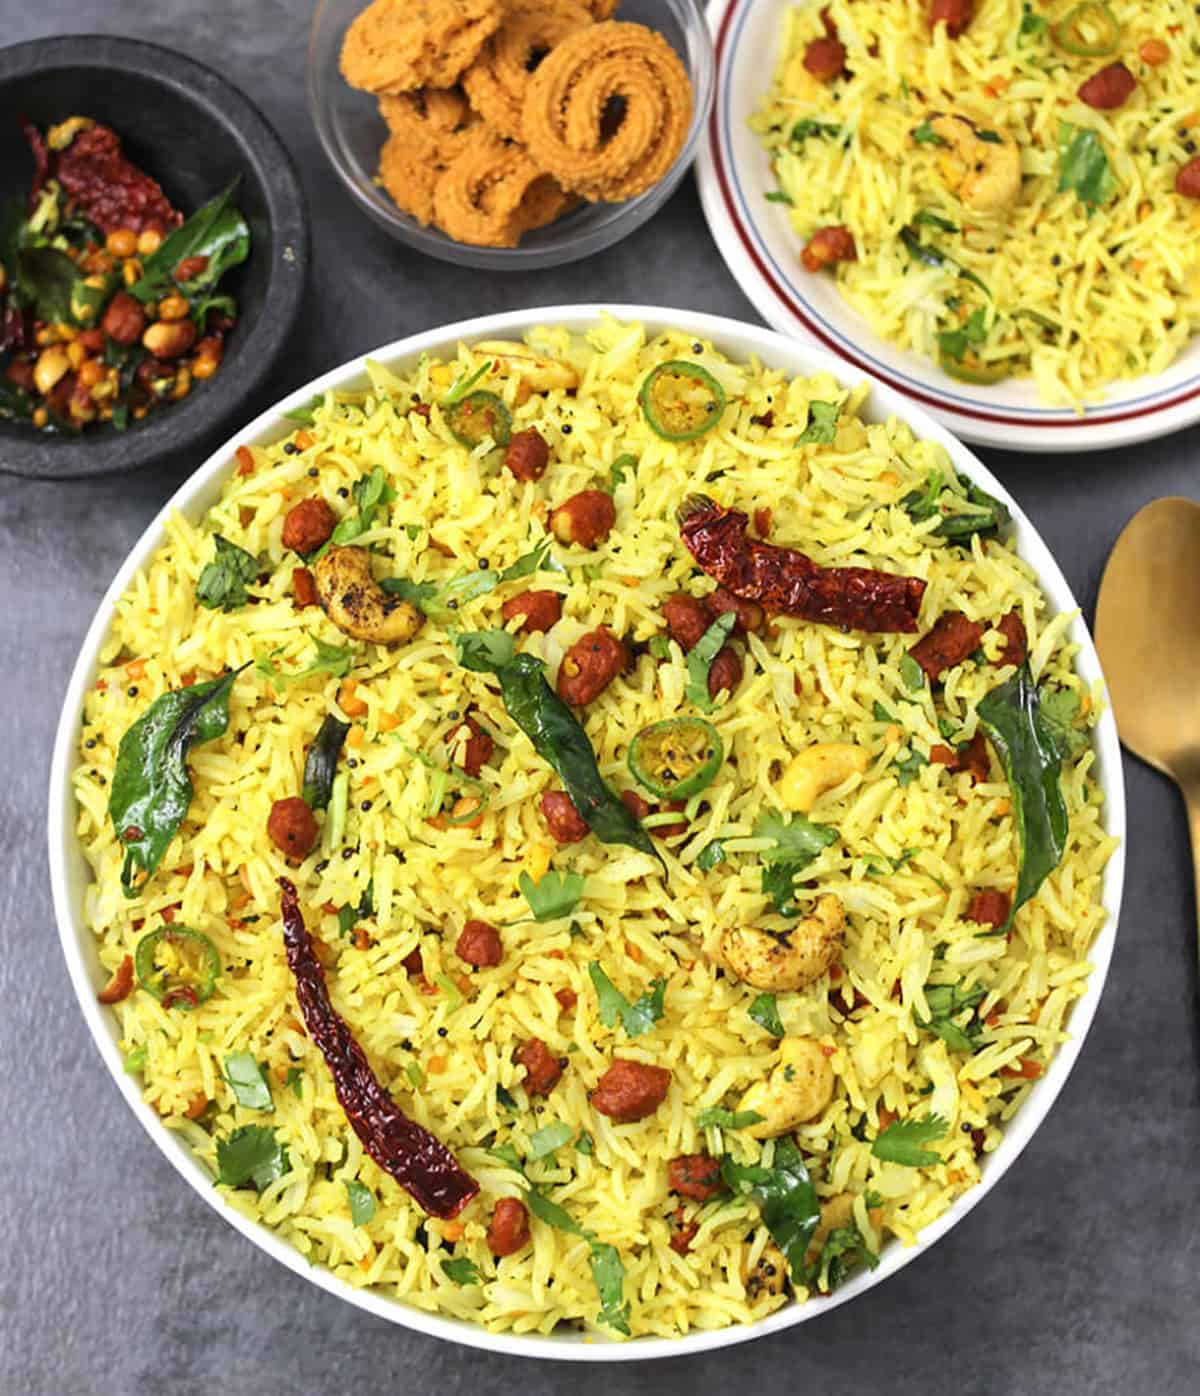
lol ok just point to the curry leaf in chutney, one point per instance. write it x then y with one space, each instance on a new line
1028 750
217 231
151 785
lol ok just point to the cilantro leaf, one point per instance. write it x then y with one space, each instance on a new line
946 1002
537 559
902 1140
912 674
608 1275
710 855
881 714
620 470
636 1018
251 1154
484 651
1033 26
247 1081
924 134
306 415
700 660
786 1197
370 494
461 1270
506 1098
973 331
1083 166
802 130
660 647
586 1144
543 1142
362 1202
910 768
797 842
822 424
765 1012
553 895
222 584
779 196
294 1082
718 1116
505 1152
842 1248
1058 711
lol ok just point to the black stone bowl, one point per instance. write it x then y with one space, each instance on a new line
190 130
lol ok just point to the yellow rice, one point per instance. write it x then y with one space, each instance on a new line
1122 283
802 683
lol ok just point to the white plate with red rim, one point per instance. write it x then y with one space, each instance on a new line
69 872
761 249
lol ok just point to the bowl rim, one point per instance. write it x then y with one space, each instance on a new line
261 150
984 419
619 222
67 863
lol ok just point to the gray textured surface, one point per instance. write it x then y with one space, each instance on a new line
1078 1275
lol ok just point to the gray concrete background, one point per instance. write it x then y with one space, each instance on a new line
1078 1275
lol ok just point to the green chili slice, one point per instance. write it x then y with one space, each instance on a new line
676 758
177 965
1070 33
974 373
681 401
479 415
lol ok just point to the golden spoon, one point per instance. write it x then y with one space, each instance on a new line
1148 635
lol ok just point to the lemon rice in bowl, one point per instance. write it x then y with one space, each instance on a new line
607 954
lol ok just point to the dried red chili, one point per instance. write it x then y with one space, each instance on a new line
107 189
418 1162
782 579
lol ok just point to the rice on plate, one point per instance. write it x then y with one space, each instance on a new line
773 1028
1010 189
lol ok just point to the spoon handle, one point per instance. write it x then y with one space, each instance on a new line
1191 795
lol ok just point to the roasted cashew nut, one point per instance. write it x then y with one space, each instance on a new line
784 960
983 166
355 602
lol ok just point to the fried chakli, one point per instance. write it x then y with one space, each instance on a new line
435 120
499 78
428 129
481 196
401 45
572 93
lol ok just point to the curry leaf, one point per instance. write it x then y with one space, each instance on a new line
556 734
700 660
151 786
931 256
320 764
1027 746
912 674
216 231
841 1249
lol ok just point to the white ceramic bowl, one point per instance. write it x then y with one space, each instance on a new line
69 872
761 249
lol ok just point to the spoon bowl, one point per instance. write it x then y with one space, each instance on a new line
1148 635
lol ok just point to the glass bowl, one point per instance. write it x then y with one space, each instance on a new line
352 133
